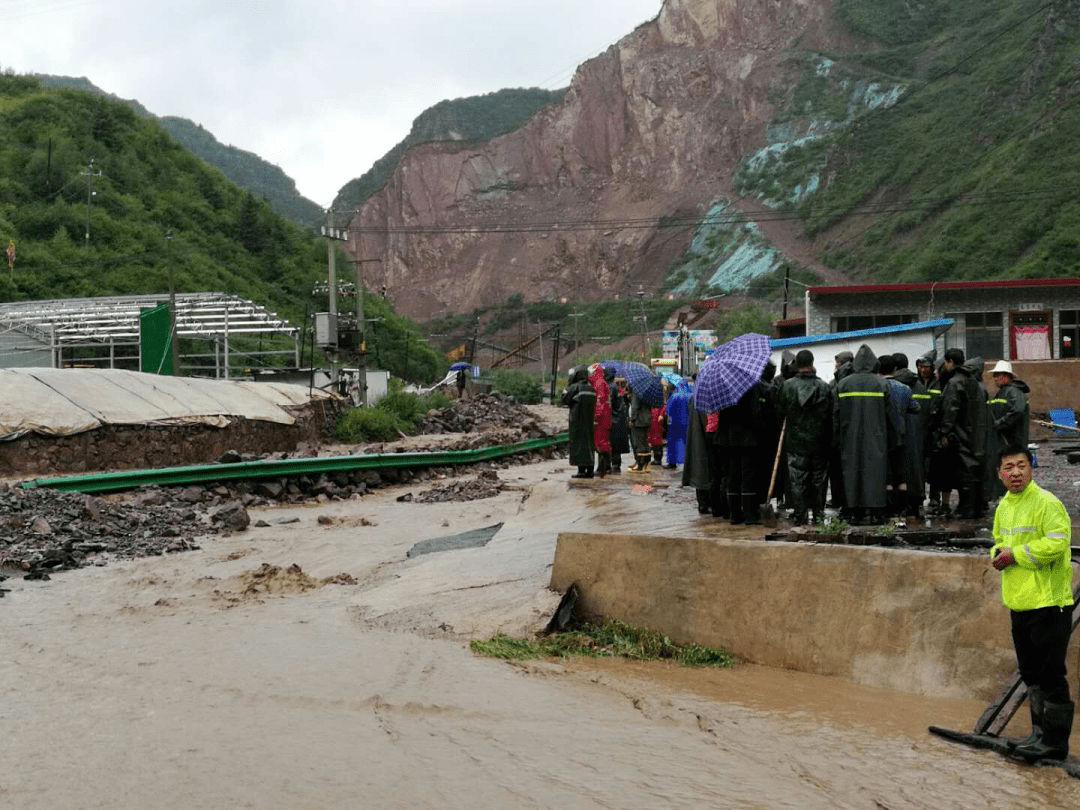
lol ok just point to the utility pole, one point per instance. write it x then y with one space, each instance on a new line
540 340
361 348
174 339
89 174
577 340
787 286
332 235
475 337
644 325
555 362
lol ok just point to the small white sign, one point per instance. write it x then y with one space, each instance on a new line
1030 307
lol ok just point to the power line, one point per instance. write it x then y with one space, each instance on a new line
739 217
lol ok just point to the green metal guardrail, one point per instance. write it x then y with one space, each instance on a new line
206 473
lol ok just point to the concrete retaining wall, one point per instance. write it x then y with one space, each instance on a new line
917 622
136 447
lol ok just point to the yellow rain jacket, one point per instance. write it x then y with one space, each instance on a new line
1035 525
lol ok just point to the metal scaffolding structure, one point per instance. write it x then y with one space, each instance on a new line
65 325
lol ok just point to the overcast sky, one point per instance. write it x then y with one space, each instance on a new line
321 89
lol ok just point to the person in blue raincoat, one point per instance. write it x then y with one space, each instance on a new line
678 413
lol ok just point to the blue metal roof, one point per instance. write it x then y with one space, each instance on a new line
940 324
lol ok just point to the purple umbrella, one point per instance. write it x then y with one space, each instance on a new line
644 383
730 372
460 365
614 365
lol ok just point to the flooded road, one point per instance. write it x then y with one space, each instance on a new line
206 680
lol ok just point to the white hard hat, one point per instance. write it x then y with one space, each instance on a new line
1002 367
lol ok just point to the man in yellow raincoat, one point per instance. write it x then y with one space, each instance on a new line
1031 550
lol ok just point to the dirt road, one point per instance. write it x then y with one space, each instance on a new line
227 678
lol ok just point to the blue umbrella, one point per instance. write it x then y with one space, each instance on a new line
644 383
461 364
730 372
671 377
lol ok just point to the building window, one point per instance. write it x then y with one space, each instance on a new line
850 323
977 334
1070 332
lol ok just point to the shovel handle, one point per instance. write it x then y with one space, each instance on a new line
776 463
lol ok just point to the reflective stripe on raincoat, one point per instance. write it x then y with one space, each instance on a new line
1035 525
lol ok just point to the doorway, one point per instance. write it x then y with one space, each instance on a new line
1029 335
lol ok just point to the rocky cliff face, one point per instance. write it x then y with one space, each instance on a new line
602 191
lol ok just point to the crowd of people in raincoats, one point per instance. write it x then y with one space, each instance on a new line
609 420
885 441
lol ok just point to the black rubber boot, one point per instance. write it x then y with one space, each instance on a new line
1054 742
751 510
1036 701
603 463
735 506
582 472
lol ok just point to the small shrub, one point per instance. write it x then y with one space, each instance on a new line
370 424
834 525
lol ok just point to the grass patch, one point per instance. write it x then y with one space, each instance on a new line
612 639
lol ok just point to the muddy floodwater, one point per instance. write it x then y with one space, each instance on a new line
306 665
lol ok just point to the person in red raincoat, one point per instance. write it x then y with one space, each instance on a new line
656 434
601 419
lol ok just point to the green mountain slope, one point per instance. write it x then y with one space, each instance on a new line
224 239
246 169
477 118
970 173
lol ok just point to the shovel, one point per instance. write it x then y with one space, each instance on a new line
768 513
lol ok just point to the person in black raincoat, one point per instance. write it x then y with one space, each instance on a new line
769 433
696 471
902 457
963 427
737 434
940 462
916 433
865 422
1009 407
620 409
640 422
841 368
805 403
581 399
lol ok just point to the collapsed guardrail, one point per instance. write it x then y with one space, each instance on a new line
209 473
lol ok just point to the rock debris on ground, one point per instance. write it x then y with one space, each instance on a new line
44 530
485 485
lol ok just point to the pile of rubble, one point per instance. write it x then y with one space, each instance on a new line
43 530
485 485
489 413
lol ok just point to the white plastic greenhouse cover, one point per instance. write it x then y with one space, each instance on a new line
59 402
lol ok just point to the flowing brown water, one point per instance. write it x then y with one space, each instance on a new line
174 683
